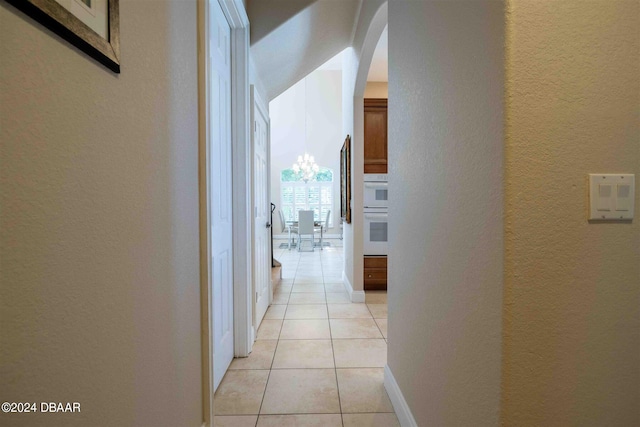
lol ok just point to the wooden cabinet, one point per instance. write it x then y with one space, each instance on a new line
375 161
375 135
375 273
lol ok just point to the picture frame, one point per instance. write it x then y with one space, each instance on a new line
76 25
345 180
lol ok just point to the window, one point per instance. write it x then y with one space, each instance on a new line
314 195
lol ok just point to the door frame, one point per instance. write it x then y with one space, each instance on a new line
241 186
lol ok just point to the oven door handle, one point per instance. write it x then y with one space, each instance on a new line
376 215
376 185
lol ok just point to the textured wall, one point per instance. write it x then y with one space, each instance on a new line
572 298
357 61
446 206
99 299
349 70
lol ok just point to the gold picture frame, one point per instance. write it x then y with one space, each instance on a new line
62 21
345 180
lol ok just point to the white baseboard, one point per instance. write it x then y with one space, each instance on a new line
357 296
354 296
405 417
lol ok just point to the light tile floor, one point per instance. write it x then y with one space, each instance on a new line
318 359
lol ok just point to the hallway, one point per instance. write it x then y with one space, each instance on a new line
318 359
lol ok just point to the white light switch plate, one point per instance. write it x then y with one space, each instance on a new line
611 196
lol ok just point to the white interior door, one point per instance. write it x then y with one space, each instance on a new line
261 211
220 188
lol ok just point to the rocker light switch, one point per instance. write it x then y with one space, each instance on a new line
611 196
604 197
623 198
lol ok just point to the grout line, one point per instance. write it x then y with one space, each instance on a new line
271 368
335 370
335 365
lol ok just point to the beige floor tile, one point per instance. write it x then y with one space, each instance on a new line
309 420
269 329
306 311
275 311
240 392
382 324
283 289
260 358
338 298
299 354
362 390
370 420
301 391
235 421
310 259
304 287
348 311
360 353
307 298
334 287
305 271
280 299
316 329
301 280
314 279
379 311
375 297
354 328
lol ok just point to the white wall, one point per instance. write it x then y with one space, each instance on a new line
256 81
349 69
446 208
318 99
99 293
356 64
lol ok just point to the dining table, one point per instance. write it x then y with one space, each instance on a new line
292 224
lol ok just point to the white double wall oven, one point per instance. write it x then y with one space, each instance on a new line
376 206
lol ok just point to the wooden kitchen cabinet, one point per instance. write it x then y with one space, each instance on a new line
375 135
375 273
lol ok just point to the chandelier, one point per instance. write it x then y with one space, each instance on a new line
305 168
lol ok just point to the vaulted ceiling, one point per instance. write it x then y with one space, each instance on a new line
291 38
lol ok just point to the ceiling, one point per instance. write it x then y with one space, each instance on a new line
379 63
291 38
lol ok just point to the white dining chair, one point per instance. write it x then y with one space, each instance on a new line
306 230
290 229
324 226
